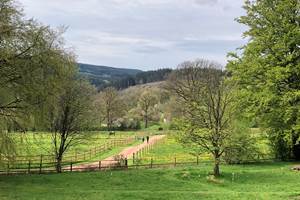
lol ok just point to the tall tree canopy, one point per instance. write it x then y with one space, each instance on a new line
207 106
34 65
32 62
268 70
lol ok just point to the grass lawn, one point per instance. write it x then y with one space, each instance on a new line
31 145
168 149
37 143
260 181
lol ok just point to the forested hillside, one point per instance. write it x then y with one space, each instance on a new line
120 78
100 76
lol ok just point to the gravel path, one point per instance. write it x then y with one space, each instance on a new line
127 152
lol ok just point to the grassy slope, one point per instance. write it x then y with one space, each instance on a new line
264 181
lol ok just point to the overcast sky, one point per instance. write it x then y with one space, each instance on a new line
144 34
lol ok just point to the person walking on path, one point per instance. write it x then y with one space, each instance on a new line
147 139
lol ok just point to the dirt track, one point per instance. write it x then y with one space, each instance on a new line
127 152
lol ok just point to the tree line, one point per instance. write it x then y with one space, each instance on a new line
138 79
211 107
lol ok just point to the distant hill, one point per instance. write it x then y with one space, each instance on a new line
143 78
120 78
103 76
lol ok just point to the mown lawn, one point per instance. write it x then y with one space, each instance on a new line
260 181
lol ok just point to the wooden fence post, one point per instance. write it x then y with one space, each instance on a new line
29 163
41 162
126 163
133 157
99 165
175 162
7 167
71 166
151 162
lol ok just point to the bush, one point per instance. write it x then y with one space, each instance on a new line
123 124
175 124
241 146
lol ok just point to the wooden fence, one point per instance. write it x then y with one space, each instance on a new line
125 164
45 163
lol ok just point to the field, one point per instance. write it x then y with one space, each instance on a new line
266 180
169 150
261 181
35 143
35 148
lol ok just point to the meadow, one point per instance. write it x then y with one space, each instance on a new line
37 143
265 180
254 181
169 149
34 148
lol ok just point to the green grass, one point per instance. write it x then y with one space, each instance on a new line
32 145
262 181
170 148
37 143
167 150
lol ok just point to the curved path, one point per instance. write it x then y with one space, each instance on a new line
127 152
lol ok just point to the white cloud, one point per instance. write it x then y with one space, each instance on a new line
146 33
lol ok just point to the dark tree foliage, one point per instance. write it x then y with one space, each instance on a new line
122 78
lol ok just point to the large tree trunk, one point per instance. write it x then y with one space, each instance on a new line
217 167
58 166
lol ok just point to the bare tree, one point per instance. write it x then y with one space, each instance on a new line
68 116
146 101
206 106
111 105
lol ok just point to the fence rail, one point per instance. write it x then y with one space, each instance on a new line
122 165
47 162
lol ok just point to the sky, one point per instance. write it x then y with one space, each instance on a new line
144 34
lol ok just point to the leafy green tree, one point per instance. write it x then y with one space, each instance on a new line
68 115
207 107
34 65
268 71
30 62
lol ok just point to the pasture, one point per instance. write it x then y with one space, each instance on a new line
34 150
254 181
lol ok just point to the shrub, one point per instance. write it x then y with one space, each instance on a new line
123 124
241 146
